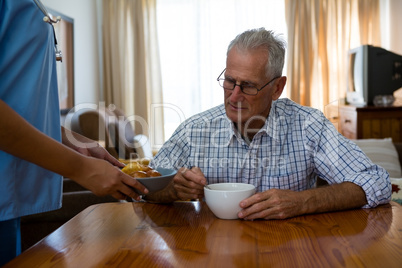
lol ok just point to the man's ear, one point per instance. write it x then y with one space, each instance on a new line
279 86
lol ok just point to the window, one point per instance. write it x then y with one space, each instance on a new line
193 38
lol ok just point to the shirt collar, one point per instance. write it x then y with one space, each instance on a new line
272 123
271 126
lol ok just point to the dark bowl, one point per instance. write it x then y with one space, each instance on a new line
155 184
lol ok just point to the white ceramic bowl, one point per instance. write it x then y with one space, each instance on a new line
223 199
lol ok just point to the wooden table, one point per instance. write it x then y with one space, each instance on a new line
187 234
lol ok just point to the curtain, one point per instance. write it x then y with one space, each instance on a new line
320 34
132 76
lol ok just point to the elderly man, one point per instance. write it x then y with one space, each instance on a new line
277 145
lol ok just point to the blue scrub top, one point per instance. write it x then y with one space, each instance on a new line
28 84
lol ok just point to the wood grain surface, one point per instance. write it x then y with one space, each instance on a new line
187 234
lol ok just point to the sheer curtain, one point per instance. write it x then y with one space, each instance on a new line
193 37
322 32
132 77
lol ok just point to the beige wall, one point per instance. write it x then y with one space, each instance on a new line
391 11
395 23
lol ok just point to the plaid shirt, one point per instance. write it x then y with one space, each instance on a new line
295 145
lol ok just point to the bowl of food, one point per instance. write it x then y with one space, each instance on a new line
223 199
153 179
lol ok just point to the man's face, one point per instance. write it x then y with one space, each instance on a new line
248 67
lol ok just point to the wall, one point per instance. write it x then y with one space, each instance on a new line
391 19
87 78
395 23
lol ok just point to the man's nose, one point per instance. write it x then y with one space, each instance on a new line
237 94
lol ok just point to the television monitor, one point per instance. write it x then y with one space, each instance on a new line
372 71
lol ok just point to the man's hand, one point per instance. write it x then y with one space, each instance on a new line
282 204
189 183
272 204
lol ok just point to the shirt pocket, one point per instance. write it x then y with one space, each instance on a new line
296 179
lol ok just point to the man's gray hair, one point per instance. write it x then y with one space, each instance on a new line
261 38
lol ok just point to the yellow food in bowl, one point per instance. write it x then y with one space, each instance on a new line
137 170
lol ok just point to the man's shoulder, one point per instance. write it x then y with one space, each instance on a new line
285 106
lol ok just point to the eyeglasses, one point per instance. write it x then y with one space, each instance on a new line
229 84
